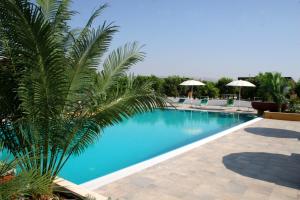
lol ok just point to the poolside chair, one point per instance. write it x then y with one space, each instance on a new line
181 100
204 102
230 102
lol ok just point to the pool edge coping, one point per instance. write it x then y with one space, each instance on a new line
77 190
122 173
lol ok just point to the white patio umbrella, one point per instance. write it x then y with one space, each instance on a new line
240 84
192 83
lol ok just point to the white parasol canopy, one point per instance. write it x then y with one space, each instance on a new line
240 84
192 83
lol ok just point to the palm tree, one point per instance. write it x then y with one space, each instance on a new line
274 87
67 93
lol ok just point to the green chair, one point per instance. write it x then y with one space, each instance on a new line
230 102
204 102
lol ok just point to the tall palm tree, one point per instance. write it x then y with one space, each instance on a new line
67 92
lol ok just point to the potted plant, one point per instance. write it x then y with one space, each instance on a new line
274 89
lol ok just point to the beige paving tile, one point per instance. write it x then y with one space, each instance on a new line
261 161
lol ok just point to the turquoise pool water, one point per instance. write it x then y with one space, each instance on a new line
145 136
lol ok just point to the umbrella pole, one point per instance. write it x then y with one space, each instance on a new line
240 88
191 96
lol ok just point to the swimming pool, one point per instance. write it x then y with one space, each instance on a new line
146 136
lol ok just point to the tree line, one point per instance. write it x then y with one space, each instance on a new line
170 86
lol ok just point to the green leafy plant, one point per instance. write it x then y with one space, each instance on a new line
274 87
66 92
16 184
297 88
221 84
294 105
172 86
209 89
158 83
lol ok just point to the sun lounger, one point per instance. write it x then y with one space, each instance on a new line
204 102
181 100
230 103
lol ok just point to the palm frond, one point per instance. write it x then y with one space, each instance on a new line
95 14
135 99
63 15
57 12
90 21
49 8
86 55
28 183
117 64
40 55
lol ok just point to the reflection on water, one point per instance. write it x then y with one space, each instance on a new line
189 120
192 130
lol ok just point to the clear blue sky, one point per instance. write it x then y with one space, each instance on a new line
206 38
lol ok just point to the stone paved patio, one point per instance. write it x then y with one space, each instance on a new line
261 161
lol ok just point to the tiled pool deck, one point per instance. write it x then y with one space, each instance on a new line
261 161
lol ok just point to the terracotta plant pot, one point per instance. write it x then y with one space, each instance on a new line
6 178
267 106
282 116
